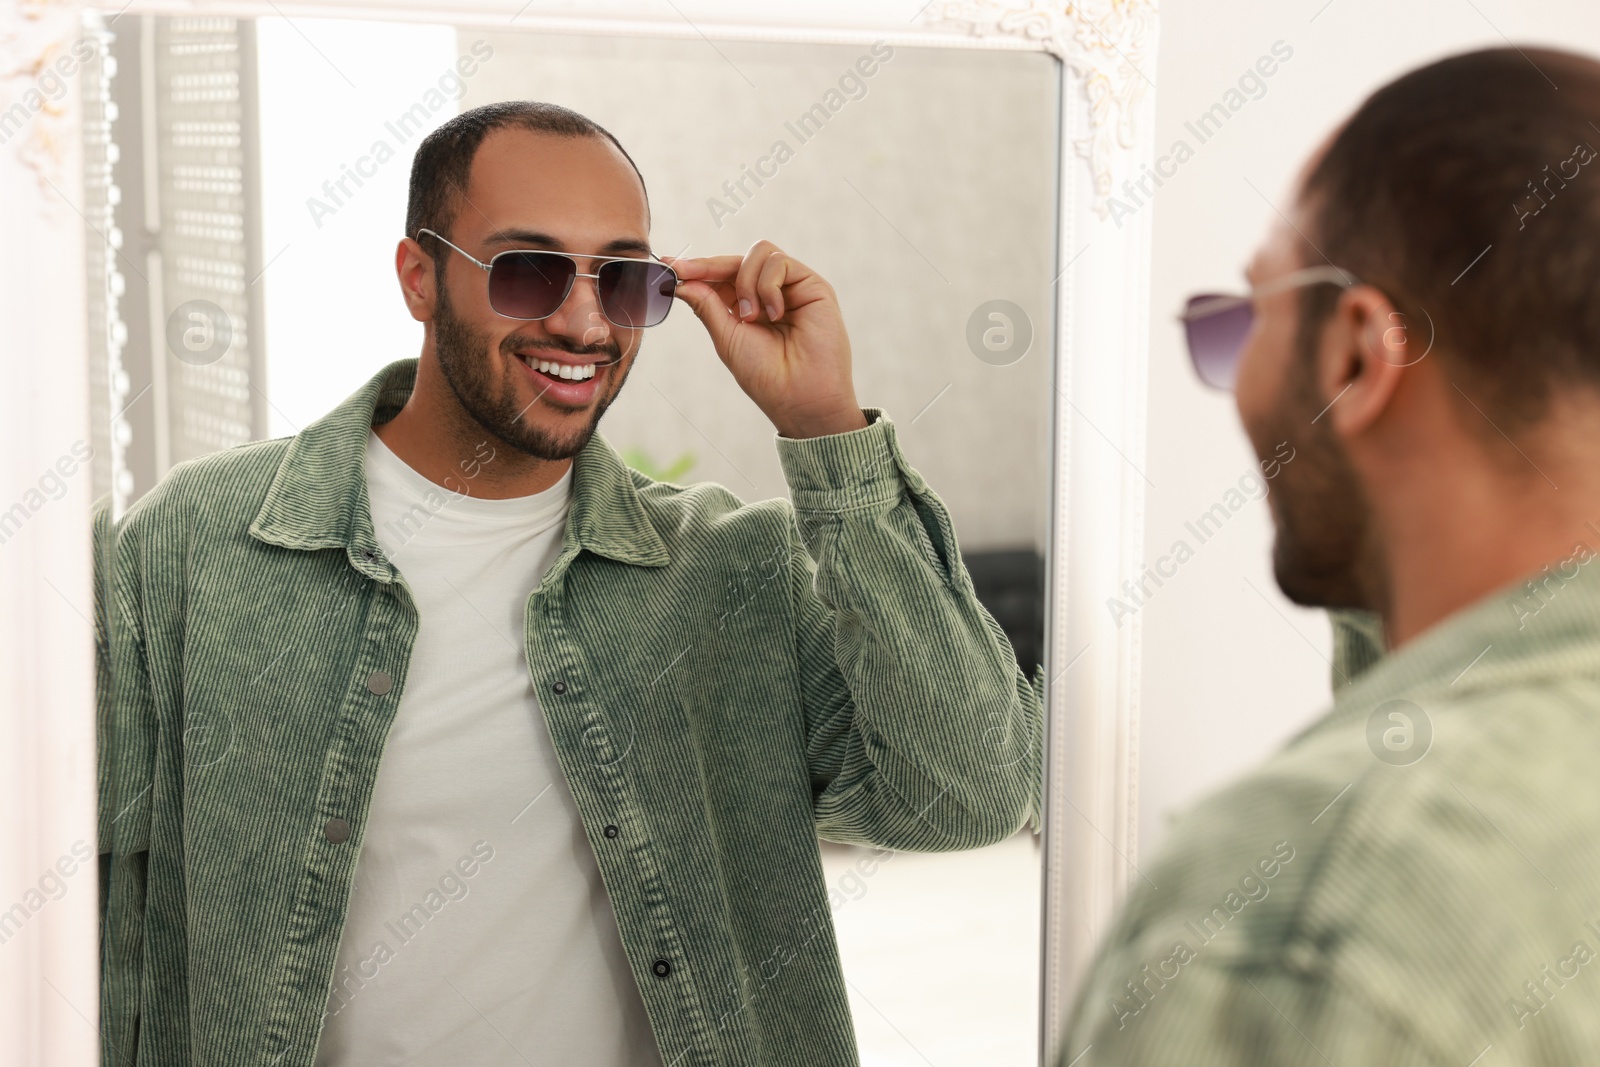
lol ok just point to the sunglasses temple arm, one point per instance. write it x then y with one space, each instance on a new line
480 264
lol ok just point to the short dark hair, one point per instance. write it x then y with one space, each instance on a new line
443 161
1445 189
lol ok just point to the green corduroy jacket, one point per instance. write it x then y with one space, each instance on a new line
1413 880
724 683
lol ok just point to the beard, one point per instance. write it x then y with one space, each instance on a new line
495 404
1320 515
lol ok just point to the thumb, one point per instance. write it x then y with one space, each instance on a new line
710 310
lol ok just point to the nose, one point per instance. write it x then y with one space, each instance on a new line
579 317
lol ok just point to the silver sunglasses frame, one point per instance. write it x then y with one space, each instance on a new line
1216 305
574 256
1293 280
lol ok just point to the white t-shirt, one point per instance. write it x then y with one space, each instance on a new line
479 931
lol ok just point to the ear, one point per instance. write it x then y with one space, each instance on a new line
414 267
1366 346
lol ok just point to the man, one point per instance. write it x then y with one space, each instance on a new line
1415 879
437 735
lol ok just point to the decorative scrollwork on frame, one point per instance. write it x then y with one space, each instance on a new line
1105 43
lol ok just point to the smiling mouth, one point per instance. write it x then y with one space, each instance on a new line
563 372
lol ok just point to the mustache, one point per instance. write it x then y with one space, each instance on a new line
512 344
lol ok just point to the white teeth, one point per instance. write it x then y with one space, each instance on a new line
567 371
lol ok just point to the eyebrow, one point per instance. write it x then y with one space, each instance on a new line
523 238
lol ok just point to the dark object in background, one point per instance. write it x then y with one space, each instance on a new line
1010 584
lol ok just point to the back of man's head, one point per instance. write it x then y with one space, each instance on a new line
1470 190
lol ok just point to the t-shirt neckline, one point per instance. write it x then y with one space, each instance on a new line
531 509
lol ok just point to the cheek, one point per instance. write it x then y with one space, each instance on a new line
1258 387
468 292
628 351
496 340
1249 387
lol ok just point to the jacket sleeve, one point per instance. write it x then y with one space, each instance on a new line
1215 1015
922 732
125 744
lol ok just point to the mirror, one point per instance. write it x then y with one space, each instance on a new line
255 171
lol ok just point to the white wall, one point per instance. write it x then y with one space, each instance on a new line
1231 669
334 313
48 936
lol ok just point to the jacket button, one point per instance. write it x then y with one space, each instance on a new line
661 968
1301 957
611 831
379 682
337 831
559 688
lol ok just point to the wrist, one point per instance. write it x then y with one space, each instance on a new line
842 421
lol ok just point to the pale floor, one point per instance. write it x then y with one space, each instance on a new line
940 952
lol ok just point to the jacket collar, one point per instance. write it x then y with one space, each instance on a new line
318 497
1536 627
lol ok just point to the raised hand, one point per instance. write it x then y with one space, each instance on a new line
776 325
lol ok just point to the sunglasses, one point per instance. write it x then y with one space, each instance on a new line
529 283
1215 325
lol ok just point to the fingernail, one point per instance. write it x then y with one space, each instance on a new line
744 309
772 312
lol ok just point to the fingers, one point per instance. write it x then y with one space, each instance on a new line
711 309
717 272
744 284
770 282
752 285
704 268
763 274
722 291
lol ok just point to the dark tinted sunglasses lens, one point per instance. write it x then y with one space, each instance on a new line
529 285
635 293
1216 339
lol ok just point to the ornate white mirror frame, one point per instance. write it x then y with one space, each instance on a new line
1106 49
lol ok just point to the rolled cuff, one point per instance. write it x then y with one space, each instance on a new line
844 471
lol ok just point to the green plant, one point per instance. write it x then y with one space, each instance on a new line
639 461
